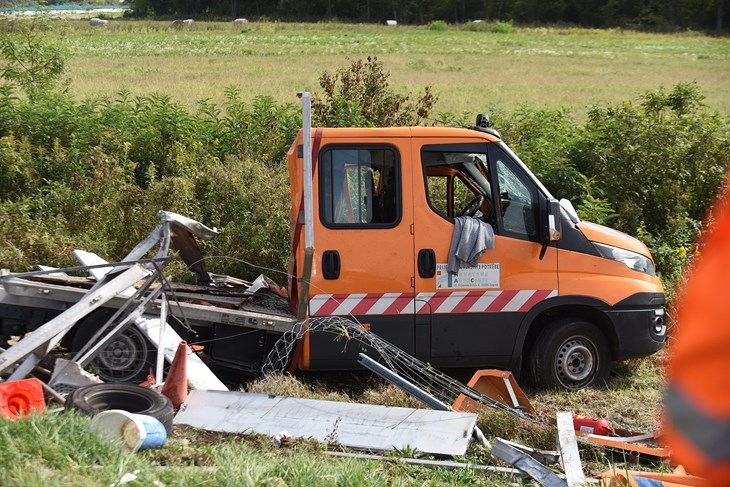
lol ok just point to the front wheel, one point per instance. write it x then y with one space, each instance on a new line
570 354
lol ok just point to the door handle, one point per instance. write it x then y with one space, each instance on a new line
426 263
331 264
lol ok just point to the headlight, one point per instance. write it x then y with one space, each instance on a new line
632 260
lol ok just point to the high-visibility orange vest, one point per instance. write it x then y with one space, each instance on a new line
697 419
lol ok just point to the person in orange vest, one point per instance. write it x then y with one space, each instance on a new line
697 416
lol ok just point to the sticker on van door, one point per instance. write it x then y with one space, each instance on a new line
482 276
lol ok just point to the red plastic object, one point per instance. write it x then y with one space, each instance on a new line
150 380
596 426
20 398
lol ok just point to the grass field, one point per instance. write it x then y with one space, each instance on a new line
554 67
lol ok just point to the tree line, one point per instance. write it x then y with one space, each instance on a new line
653 14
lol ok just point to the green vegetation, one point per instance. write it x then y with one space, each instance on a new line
651 169
360 96
54 449
58 449
438 25
32 59
502 27
94 174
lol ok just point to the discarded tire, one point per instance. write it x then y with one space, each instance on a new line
96 398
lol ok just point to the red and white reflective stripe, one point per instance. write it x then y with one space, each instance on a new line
423 303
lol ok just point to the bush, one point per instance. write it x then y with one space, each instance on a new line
92 174
438 25
98 183
33 55
360 96
659 164
542 137
249 203
476 26
501 27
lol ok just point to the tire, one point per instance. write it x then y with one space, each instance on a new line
570 354
95 398
127 358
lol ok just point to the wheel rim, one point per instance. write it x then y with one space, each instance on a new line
576 362
124 358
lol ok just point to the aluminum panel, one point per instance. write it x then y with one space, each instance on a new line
361 426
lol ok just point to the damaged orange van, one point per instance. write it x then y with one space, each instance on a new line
543 293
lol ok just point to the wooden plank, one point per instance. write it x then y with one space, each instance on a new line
568 446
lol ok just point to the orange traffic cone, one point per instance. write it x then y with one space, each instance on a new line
20 398
176 385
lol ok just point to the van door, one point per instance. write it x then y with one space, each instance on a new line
475 313
364 265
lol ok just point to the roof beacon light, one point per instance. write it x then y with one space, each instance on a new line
482 125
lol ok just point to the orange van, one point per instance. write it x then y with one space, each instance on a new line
552 295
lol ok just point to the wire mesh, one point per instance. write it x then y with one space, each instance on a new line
421 374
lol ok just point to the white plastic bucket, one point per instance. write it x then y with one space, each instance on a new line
133 431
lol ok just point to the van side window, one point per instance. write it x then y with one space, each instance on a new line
462 194
359 187
454 180
437 187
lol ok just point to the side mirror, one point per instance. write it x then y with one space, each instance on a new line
554 226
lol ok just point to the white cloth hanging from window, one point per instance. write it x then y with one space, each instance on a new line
472 237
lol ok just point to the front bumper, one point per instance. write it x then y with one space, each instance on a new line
640 325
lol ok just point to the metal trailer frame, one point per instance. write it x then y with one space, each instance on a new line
32 348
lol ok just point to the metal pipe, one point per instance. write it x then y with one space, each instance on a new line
307 141
161 343
399 381
444 464
415 391
308 212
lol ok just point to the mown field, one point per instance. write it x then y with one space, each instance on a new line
469 70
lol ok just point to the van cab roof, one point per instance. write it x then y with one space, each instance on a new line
406 132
